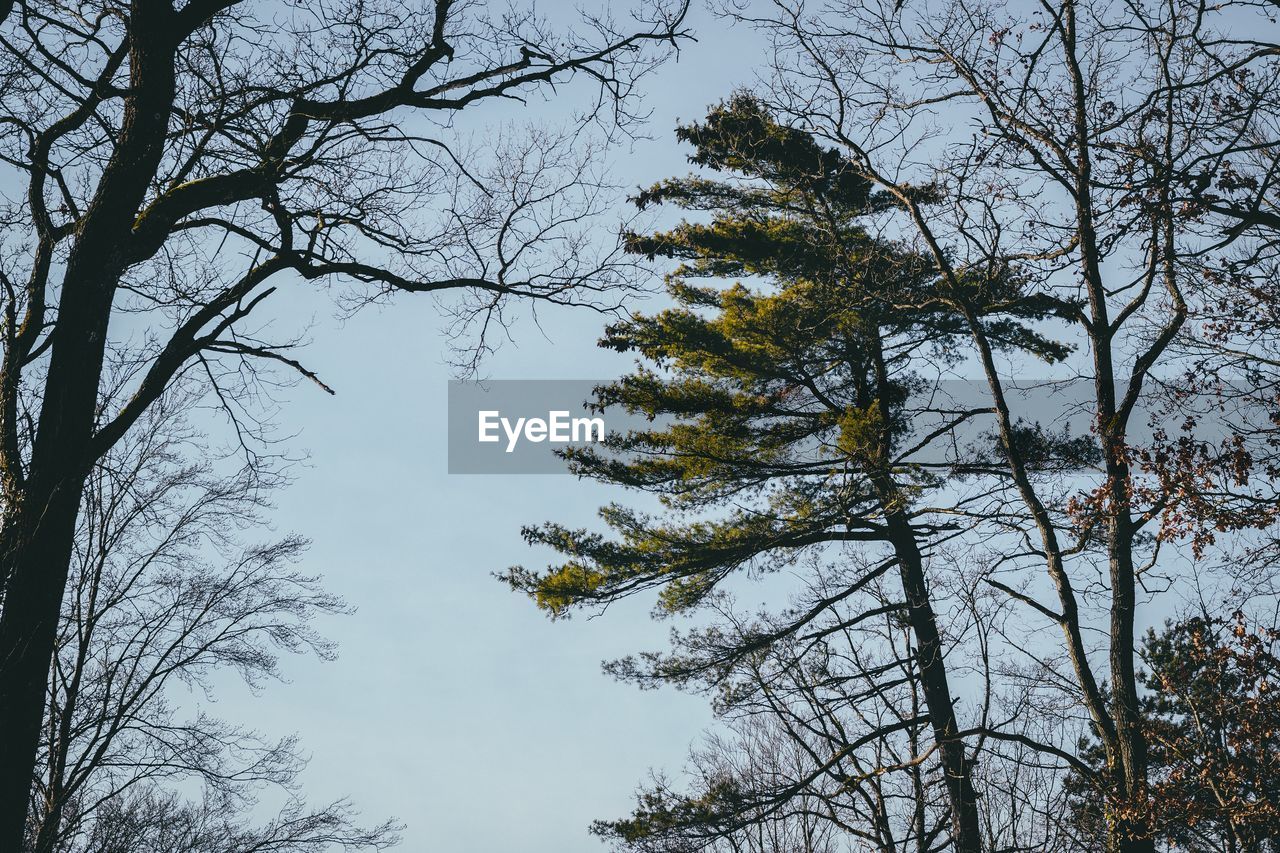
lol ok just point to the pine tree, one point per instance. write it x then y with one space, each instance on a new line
787 415
1211 714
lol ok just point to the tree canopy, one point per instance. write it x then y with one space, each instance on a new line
795 412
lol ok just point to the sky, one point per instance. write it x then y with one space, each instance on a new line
455 706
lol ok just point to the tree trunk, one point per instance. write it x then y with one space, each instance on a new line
1131 835
39 528
965 829
36 556
39 532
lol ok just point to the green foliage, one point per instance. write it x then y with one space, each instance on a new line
661 813
780 410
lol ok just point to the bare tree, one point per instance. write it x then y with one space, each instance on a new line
164 594
824 744
178 162
827 744
152 820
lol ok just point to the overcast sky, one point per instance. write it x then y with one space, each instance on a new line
456 706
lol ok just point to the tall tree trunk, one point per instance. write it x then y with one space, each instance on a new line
1131 834
36 555
39 534
39 528
965 829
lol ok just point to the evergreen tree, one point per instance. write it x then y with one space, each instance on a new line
1211 713
787 416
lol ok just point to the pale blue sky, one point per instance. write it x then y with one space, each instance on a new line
454 705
